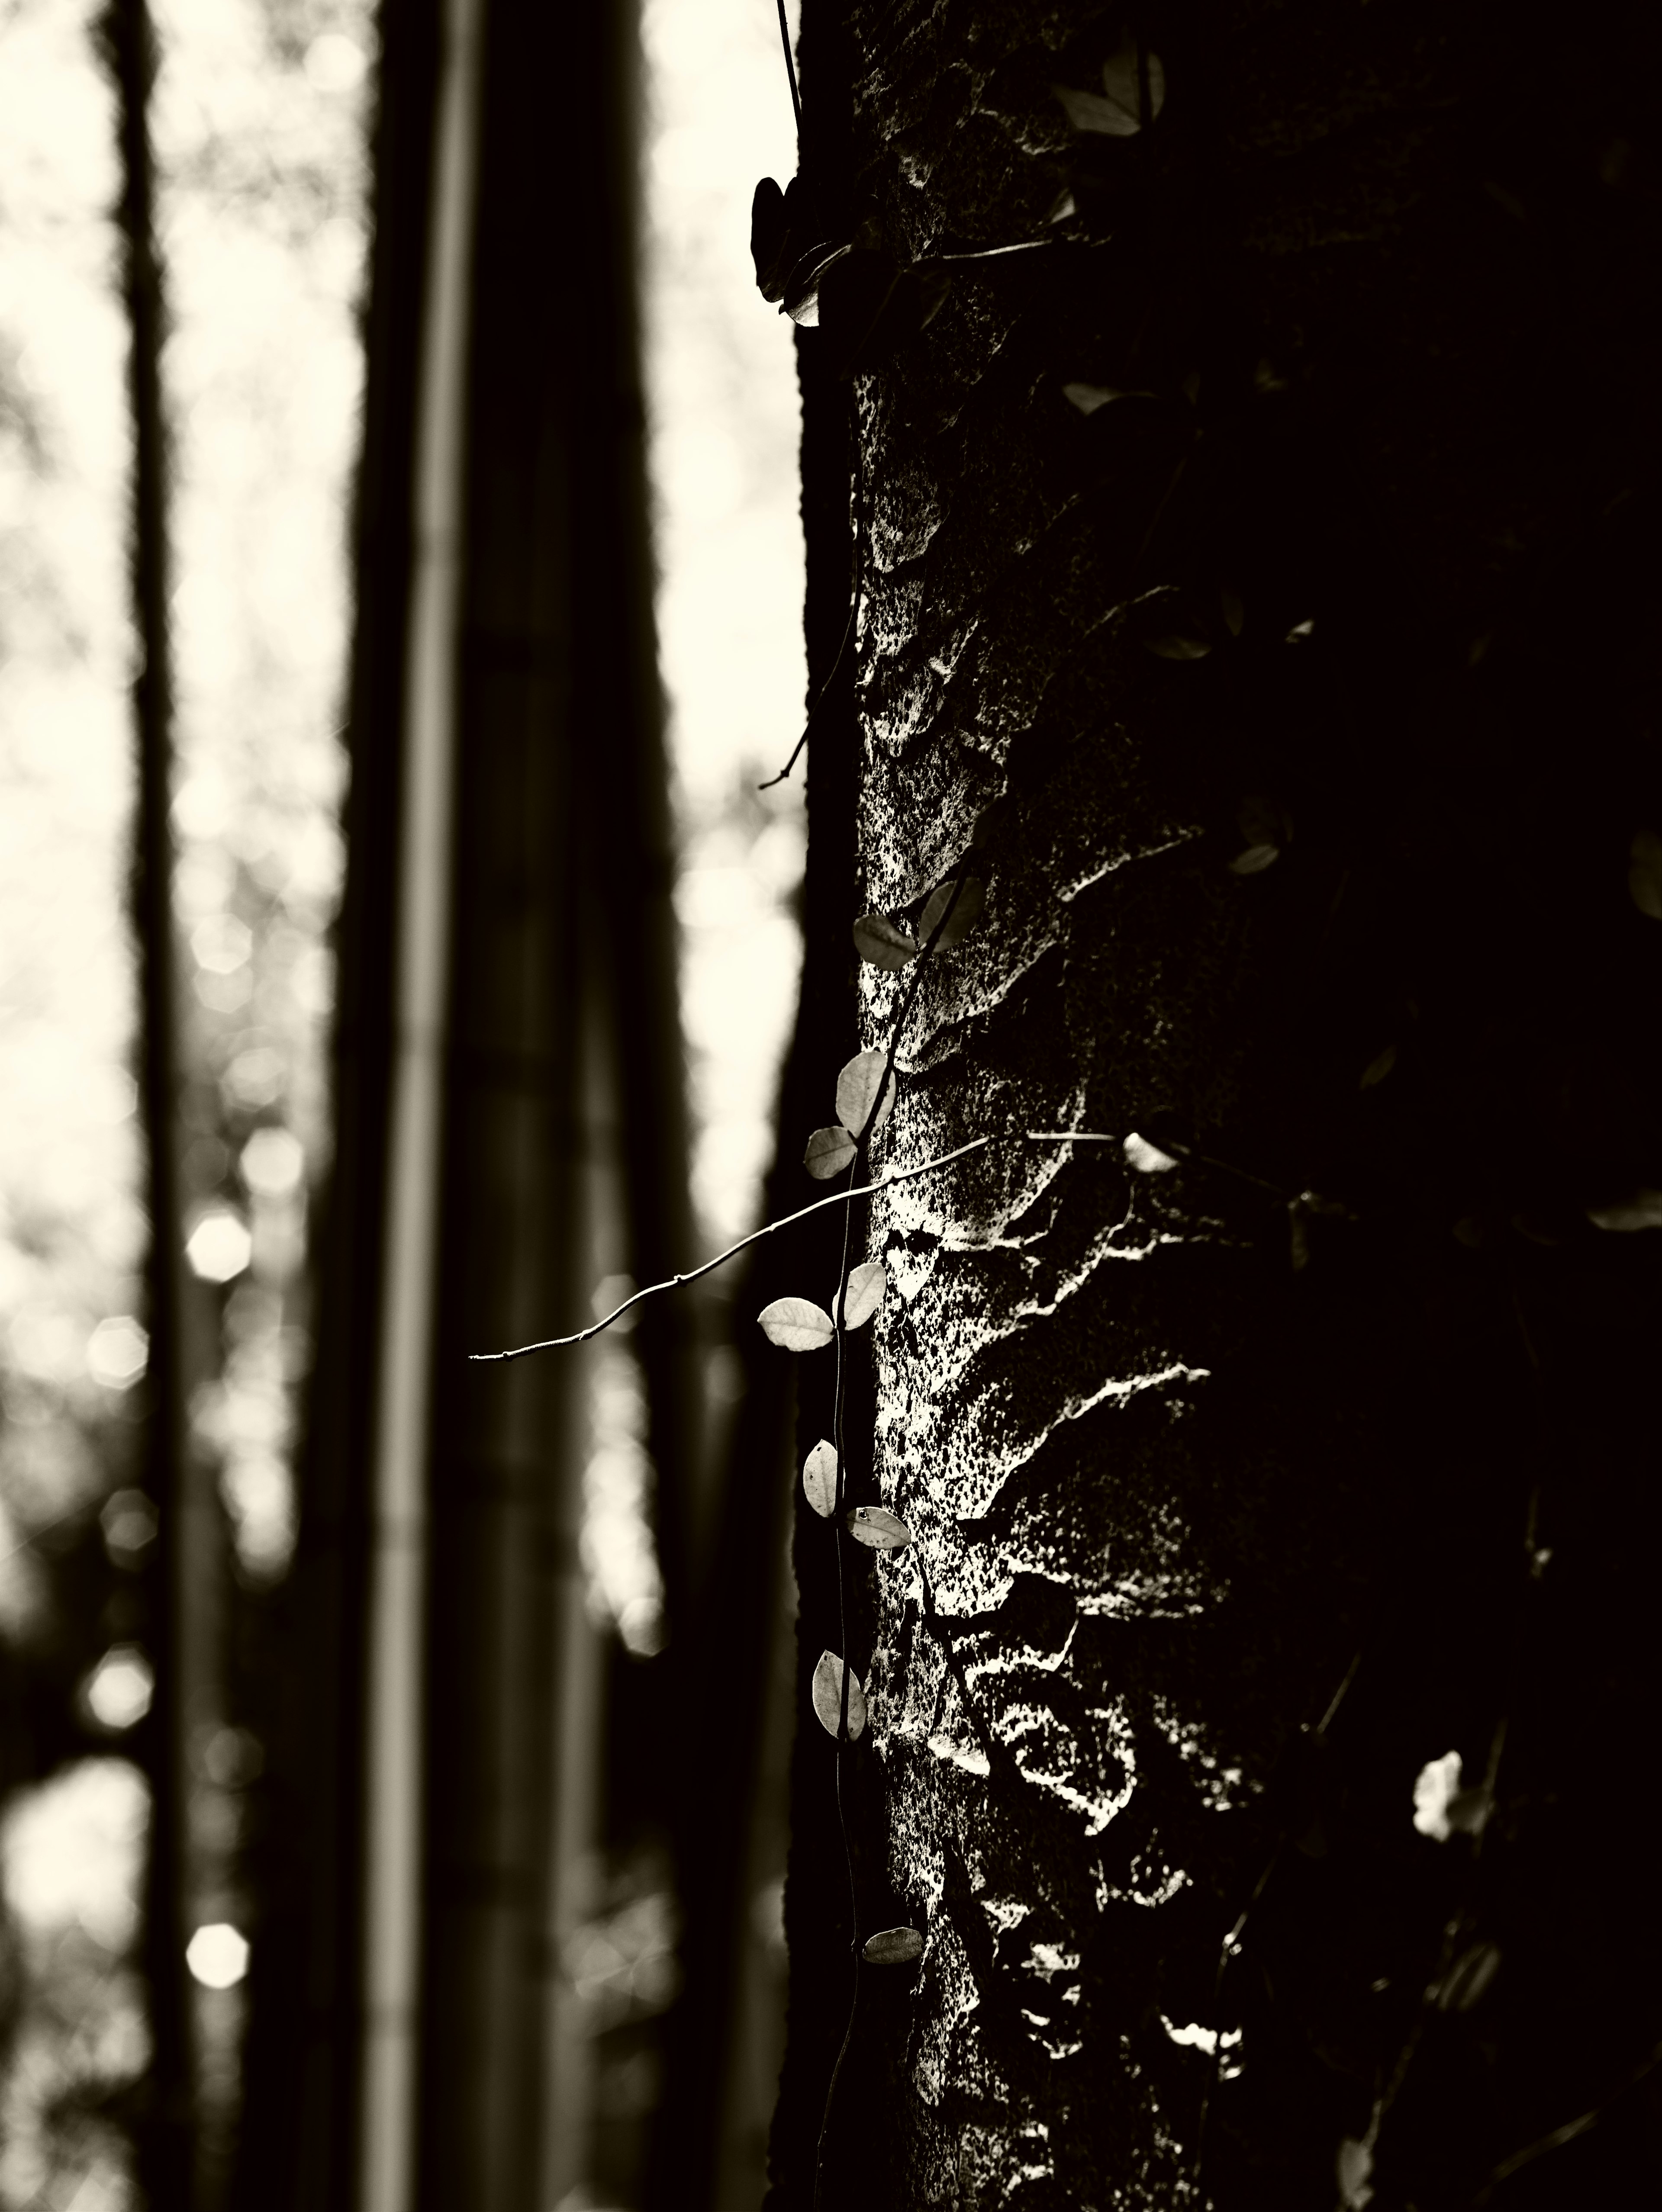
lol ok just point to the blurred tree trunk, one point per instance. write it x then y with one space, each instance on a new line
507 984
166 2135
1317 681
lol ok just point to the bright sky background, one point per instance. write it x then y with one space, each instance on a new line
725 426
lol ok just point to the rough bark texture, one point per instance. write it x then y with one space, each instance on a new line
1368 581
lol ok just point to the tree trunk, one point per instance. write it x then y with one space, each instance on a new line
1275 543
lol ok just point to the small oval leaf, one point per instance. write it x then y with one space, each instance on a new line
1639 1209
1255 859
797 1324
878 1529
1087 397
1117 111
1178 647
892 1946
965 913
1470 1975
828 1697
1119 82
876 939
856 1091
1147 1158
819 1479
1645 873
866 1285
1378 1068
828 1153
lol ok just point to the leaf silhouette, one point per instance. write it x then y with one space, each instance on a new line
878 1529
829 1151
828 1697
866 1285
797 1324
877 940
819 1479
769 237
856 1092
800 298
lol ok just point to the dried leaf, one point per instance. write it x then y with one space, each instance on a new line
819 1479
1255 859
892 1946
1645 873
866 1285
876 939
829 1151
1378 1068
1302 633
797 1324
1146 1158
878 1529
1176 647
1639 1209
965 914
856 1091
828 1697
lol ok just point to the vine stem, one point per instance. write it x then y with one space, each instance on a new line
859 578
862 1190
790 67
1232 1940
862 1144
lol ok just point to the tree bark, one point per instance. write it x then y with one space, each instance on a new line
1241 1489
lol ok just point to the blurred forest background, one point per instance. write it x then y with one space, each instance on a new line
221 1678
